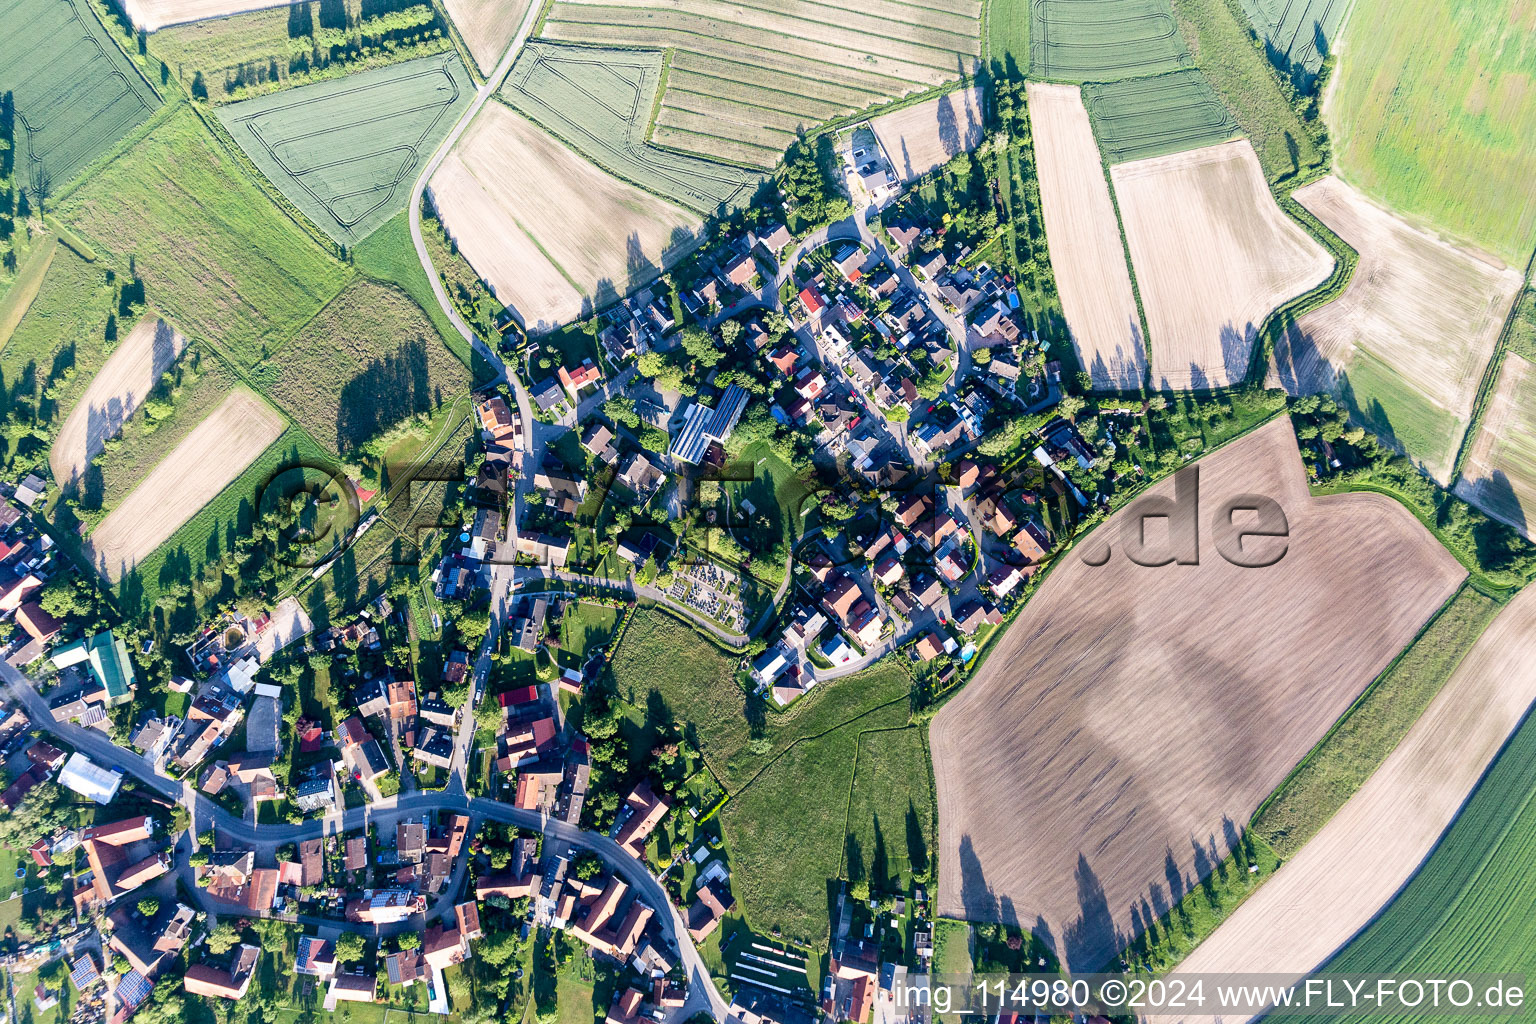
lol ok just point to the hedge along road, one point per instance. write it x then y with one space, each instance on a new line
699 981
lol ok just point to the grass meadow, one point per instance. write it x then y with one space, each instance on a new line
368 360
792 768
1469 904
257 52
1247 83
599 102
216 255
1368 732
75 90
346 151
1392 407
17 294
1430 114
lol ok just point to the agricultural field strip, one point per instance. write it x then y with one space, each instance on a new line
828 43
1213 255
152 15
1505 447
735 150
25 285
1428 310
694 83
325 117
710 107
55 87
812 58
579 96
788 18
769 79
1087 254
114 394
1047 789
1358 861
1078 40
206 461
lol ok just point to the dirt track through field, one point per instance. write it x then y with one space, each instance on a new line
924 136
523 207
1086 252
1350 870
1133 718
1427 309
1213 256
203 464
114 394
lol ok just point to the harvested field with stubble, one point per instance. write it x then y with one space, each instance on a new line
1404 347
1358 861
156 14
1213 256
925 136
1499 476
216 452
117 390
487 27
1132 715
1087 255
753 71
551 233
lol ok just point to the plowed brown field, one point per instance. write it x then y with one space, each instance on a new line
1104 757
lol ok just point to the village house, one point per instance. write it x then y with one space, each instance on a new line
225 981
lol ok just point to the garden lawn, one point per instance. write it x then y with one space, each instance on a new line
217 256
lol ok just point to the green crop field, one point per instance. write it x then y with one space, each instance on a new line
75 93
186 212
347 151
1297 34
1008 33
1369 731
1141 117
370 359
242 55
1431 115
891 811
1104 40
1247 83
1386 402
1468 907
599 102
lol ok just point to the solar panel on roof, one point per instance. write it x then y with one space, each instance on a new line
132 990
84 972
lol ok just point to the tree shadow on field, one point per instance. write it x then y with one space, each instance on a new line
386 391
